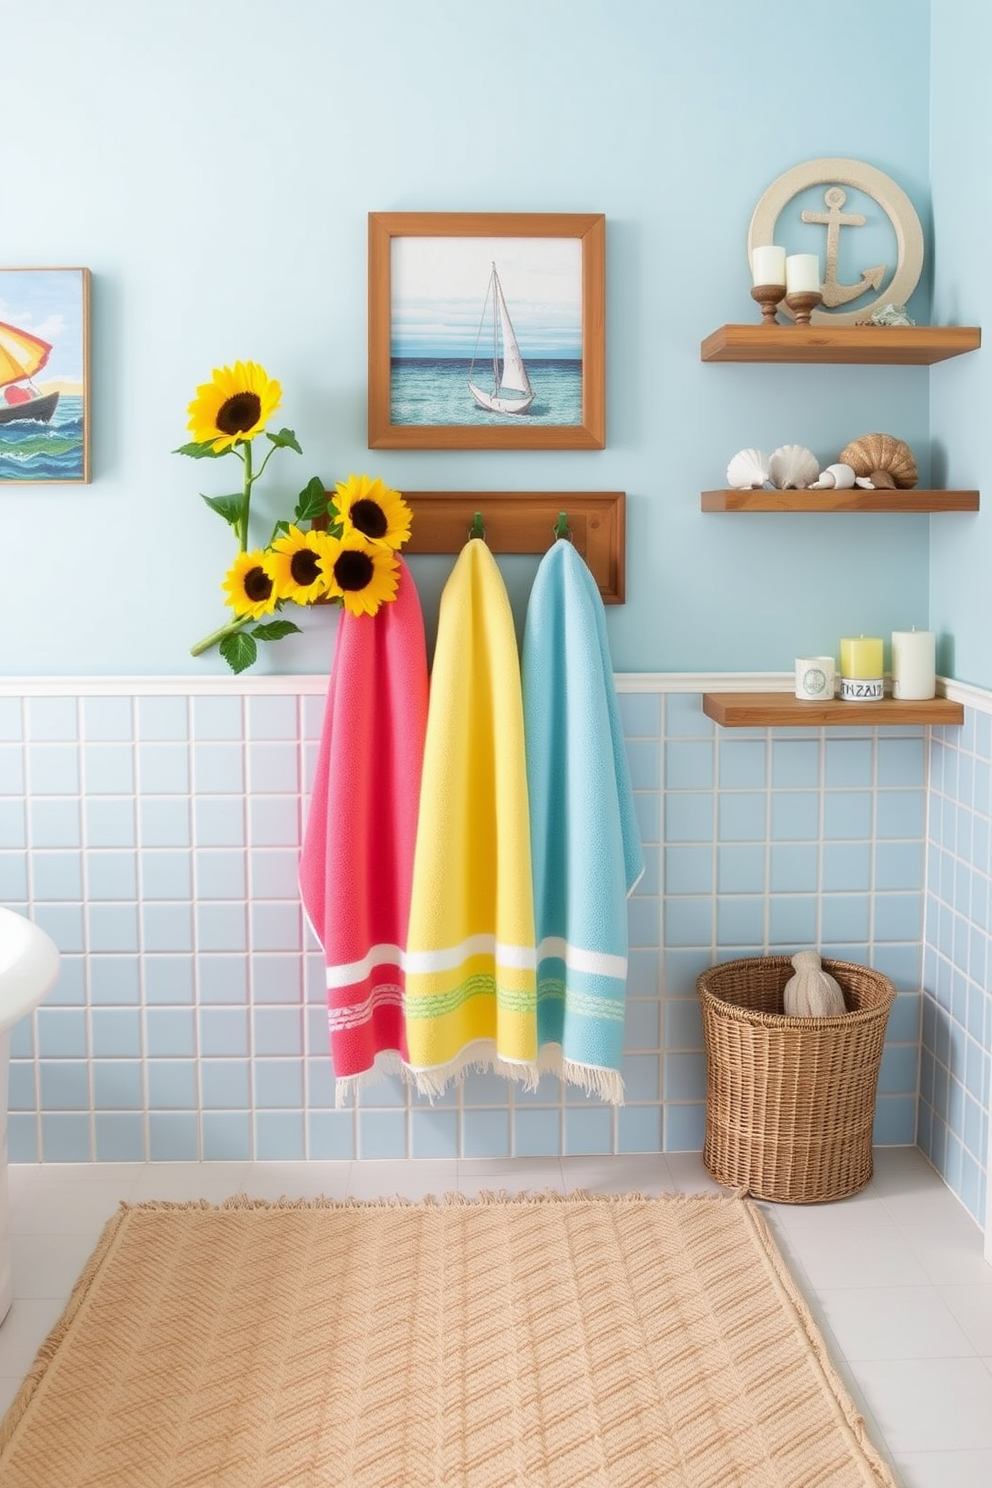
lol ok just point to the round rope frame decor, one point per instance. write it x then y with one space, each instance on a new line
836 172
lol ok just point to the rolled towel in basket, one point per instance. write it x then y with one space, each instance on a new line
812 992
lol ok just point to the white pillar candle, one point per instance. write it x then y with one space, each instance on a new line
802 273
914 671
768 265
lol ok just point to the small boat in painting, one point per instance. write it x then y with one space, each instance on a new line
21 356
511 391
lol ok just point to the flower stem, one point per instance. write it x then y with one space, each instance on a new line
246 504
216 636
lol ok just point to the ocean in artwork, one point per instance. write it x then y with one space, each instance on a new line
31 451
434 390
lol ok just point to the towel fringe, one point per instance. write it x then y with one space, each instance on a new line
597 1081
386 1062
434 1082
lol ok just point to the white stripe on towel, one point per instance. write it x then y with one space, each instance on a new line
600 963
356 971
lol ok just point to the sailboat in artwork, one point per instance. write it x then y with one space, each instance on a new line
21 356
511 391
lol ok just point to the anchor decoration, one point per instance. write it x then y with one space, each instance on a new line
835 174
835 293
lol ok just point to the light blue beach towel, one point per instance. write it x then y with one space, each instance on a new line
585 846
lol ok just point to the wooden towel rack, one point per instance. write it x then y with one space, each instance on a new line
525 522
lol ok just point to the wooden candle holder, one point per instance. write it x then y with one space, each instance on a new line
769 297
802 303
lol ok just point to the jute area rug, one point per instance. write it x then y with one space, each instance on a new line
579 1342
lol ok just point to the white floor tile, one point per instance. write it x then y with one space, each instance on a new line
894 1323
878 1256
178 1182
946 1469
510 1175
297 1180
402 1180
972 1306
689 1175
24 1330
646 1173
50 1265
930 1405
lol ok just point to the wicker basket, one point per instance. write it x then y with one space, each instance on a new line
790 1102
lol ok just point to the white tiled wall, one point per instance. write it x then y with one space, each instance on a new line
155 835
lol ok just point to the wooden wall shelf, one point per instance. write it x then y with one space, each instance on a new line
783 710
853 500
907 346
524 522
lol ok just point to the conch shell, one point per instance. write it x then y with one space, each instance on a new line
834 478
792 467
748 470
881 461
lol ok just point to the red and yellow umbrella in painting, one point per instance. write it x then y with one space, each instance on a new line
21 356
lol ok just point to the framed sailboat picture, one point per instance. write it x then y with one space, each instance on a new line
487 330
44 376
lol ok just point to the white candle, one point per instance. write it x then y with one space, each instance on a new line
768 265
914 672
802 273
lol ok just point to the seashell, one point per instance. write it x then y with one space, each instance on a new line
834 478
792 467
748 470
883 459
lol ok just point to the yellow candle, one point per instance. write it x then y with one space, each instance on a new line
861 657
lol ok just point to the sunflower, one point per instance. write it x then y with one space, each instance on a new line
373 509
362 575
299 564
249 586
234 406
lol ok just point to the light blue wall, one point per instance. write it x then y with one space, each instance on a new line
214 164
961 552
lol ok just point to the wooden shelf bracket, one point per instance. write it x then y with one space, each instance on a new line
527 522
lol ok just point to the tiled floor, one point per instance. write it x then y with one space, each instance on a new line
894 1275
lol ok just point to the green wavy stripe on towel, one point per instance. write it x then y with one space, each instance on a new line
439 1004
552 989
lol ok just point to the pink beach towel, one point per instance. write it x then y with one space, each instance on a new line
356 864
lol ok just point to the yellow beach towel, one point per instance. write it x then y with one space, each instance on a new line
471 1000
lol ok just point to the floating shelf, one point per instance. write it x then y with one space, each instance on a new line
853 500
783 710
907 346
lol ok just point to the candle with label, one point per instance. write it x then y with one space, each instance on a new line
861 669
914 671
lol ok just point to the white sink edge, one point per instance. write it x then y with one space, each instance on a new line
29 967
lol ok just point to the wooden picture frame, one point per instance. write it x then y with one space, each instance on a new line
45 412
435 294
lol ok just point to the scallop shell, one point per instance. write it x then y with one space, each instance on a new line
834 478
873 456
748 470
792 467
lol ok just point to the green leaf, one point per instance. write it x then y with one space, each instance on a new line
285 439
239 651
229 507
200 451
275 630
312 502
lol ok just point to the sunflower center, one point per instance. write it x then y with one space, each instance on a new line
258 585
239 413
304 567
353 570
369 517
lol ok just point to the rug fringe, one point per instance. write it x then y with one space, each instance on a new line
877 1464
50 1347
